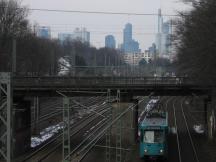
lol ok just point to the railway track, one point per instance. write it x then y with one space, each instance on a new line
53 144
204 148
80 151
187 151
86 144
57 104
77 134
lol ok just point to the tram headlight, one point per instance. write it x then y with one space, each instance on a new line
161 151
145 151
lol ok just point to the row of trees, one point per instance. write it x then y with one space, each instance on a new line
196 42
38 56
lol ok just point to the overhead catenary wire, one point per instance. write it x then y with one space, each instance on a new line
93 12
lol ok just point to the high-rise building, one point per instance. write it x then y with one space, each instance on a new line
163 37
110 41
65 36
127 37
43 32
166 39
79 35
129 45
152 50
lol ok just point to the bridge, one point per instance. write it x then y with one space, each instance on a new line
84 86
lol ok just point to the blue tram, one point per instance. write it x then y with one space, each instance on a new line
153 135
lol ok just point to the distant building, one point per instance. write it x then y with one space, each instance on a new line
135 58
110 41
163 40
79 34
43 32
82 35
129 45
127 37
153 51
163 37
166 39
65 36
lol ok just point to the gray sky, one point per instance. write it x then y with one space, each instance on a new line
144 27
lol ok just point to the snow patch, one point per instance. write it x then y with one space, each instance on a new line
173 130
46 134
151 104
64 66
199 129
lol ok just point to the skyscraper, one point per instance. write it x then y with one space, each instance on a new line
79 35
159 35
163 36
129 45
128 33
110 41
166 39
152 50
43 32
82 35
65 36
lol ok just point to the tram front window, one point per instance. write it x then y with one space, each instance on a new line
153 136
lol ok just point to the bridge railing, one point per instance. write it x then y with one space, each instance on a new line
92 81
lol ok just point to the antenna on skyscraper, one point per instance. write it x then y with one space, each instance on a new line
159 20
159 31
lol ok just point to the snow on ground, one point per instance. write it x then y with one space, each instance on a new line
199 129
151 104
148 107
173 130
64 66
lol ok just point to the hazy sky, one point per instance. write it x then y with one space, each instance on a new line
144 27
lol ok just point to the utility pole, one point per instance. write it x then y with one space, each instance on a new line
159 31
66 148
159 37
95 64
105 63
14 70
118 128
73 61
171 35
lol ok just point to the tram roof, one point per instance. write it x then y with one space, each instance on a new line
155 120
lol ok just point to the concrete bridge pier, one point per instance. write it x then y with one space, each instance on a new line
22 126
210 116
206 121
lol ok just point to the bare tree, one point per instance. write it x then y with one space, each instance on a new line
13 24
196 45
13 20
